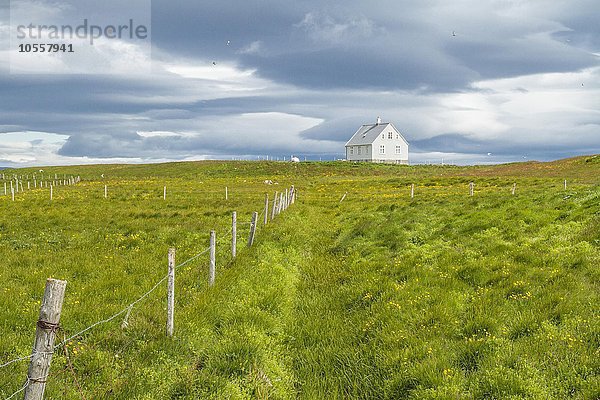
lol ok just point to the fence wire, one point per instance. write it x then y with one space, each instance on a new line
128 309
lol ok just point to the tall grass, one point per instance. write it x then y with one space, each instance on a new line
381 296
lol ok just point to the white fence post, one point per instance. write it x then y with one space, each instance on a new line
252 229
233 234
171 293
211 268
266 218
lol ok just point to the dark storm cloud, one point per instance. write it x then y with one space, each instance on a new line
336 129
454 143
389 45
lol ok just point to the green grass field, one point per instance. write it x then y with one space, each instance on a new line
380 296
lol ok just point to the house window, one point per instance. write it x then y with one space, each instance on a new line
382 149
359 150
383 135
351 150
398 149
397 136
390 135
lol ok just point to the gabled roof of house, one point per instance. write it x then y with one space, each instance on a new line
367 134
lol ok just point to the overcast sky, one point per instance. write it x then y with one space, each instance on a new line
467 81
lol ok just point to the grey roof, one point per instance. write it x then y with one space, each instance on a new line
367 134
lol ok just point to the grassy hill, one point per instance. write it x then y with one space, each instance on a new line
379 296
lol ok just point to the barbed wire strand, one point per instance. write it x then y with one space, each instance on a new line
126 309
131 305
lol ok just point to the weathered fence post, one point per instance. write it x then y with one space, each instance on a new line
105 191
274 209
233 234
412 191
266 218
280 204
252 228
565 184
471 188
286 201
226 193
12 192
514 188
293 196
211 267
165 193
171 293
45 333
51 192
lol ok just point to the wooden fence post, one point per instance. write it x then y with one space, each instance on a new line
12 192
293 196
105 191
226 193
514 188
252 229
565 184
233 234
266 219
50 192
211 267
471 188
274 209
412 191
165 193
280 204
45 333
171 293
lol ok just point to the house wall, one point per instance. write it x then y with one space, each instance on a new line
372 152
366 152
389 154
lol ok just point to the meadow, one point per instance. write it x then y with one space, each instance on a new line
378 296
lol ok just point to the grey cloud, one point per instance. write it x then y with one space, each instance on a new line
344 64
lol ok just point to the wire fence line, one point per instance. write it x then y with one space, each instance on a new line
127 310
112 317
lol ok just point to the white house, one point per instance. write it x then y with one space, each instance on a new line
380 142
